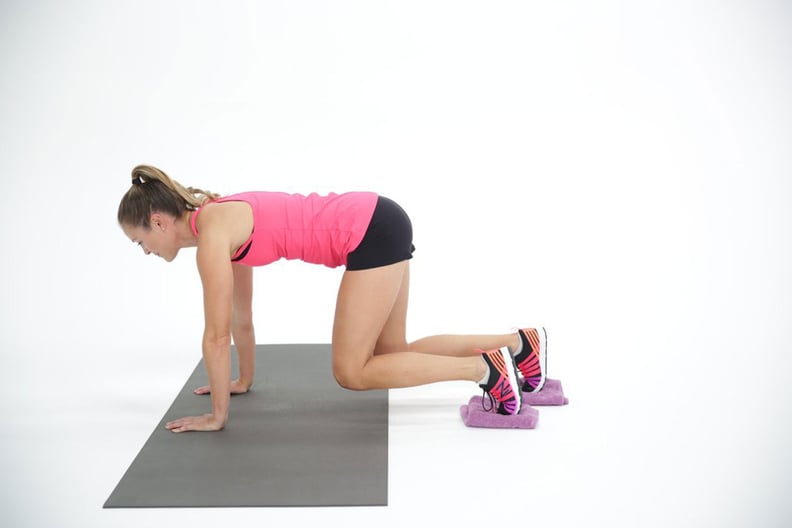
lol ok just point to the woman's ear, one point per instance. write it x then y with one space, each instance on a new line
157 221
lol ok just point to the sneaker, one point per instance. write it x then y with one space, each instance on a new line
532 359
503 384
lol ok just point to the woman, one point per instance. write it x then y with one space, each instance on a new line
368 234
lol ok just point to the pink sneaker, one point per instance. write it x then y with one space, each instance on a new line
503 384
532 359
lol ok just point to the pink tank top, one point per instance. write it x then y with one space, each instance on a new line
316 229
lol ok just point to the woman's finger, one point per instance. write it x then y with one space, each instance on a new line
181 422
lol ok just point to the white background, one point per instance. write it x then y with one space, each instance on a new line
616 171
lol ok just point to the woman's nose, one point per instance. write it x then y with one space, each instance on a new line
146 251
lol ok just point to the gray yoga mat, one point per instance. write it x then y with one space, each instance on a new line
296 439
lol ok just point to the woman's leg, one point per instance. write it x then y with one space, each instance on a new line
393 335
464 345
370 315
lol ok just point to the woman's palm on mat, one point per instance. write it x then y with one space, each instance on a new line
207 422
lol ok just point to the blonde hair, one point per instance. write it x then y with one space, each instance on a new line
153 191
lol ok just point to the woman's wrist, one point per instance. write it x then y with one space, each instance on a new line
220 418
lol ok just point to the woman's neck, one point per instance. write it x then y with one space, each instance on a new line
184 233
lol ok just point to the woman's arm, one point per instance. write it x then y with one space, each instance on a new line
242 331
242 327
217 277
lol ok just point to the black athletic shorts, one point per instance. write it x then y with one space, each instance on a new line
388 238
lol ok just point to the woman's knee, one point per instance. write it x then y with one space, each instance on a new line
349 377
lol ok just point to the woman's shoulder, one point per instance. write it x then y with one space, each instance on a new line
225 211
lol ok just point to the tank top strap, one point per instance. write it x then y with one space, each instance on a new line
193 217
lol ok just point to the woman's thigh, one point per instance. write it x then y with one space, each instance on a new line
370 310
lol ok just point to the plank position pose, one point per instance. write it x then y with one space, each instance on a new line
368 234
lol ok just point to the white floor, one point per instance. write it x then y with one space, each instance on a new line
654 446
619 172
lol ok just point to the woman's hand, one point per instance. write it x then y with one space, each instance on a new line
207 422
237 387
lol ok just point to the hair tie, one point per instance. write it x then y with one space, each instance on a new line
136 180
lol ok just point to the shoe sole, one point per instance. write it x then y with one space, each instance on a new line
542 333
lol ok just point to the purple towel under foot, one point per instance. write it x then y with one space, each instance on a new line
474 415
551 394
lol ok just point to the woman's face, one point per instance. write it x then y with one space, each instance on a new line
158 239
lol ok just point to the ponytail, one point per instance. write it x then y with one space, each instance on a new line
153 191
